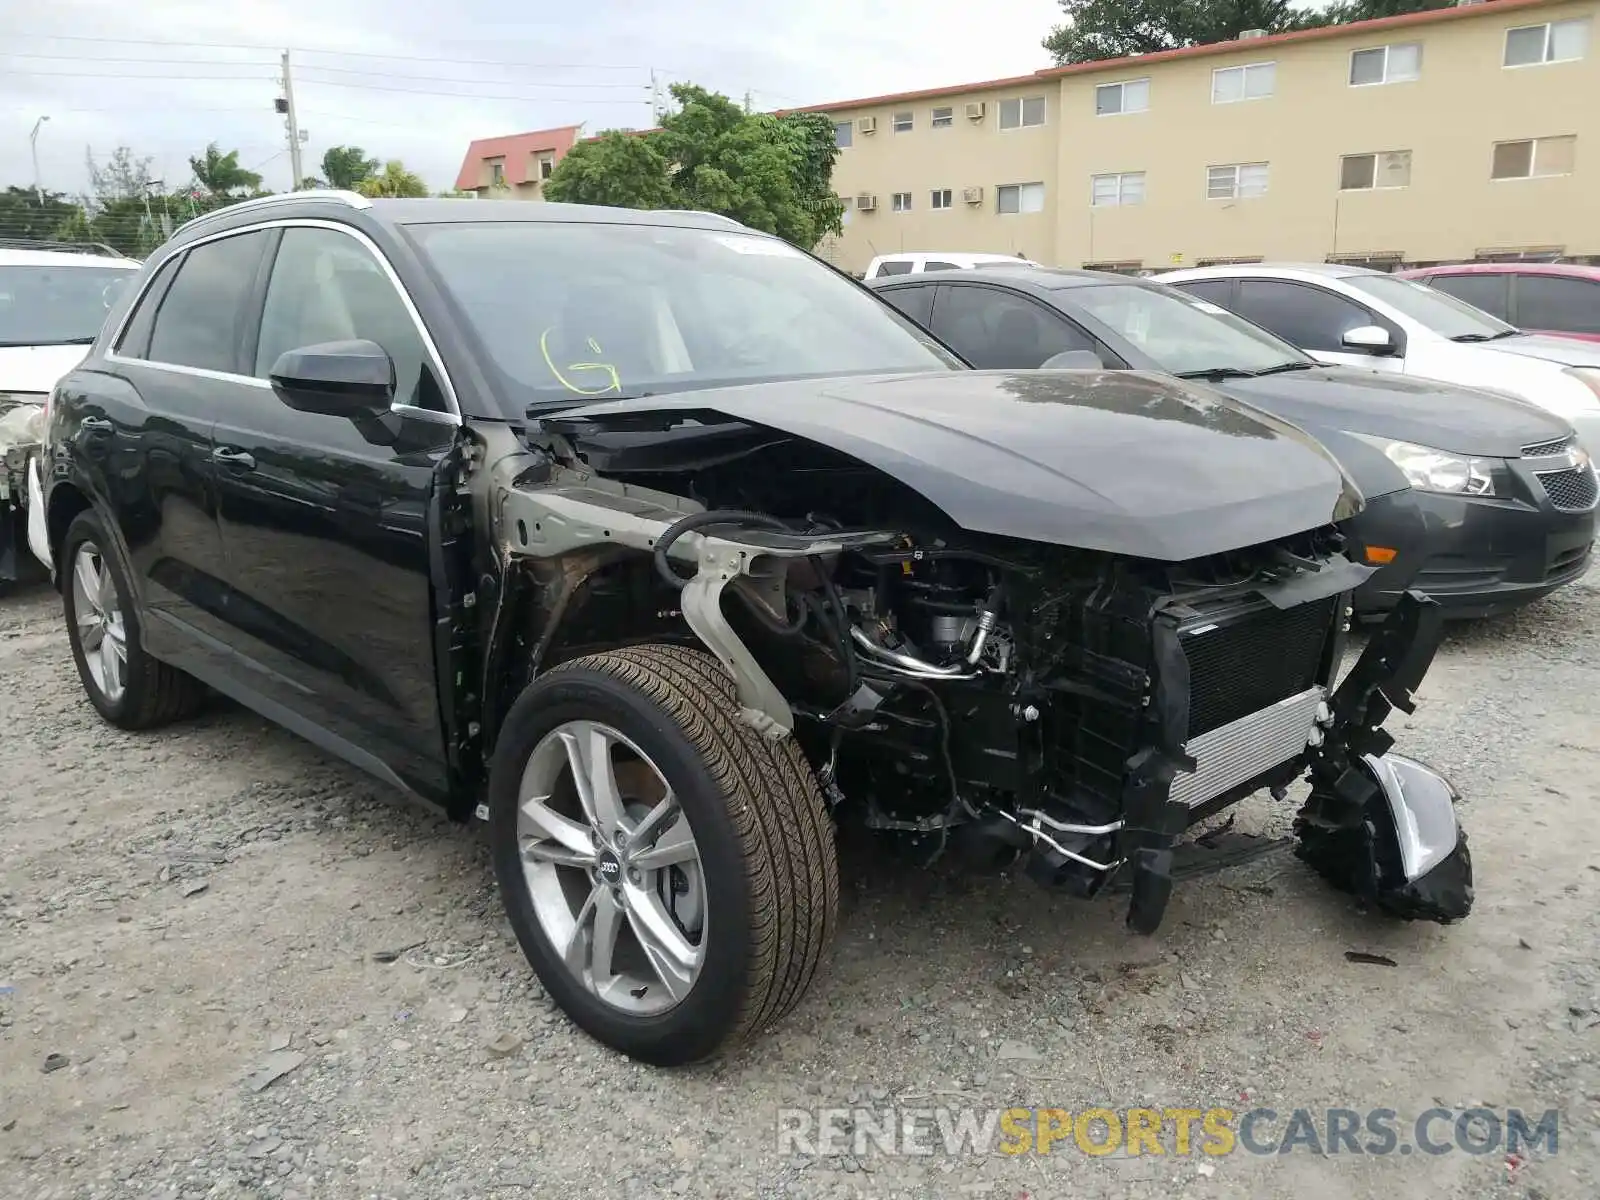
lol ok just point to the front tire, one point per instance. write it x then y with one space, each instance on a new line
127 687
670 874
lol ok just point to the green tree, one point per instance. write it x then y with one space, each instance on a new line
768 172
346 167
624 170
1096 30
220 174
393 180
27 214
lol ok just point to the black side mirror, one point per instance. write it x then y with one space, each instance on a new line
1073 360
335 379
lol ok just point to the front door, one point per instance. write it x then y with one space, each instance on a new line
325 524
1316 319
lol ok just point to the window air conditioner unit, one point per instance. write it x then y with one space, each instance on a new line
866 202
1251 34
972 195
975 111
867 124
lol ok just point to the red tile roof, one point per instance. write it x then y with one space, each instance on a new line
518 149
1354 28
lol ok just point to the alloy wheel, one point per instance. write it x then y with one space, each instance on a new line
102 633
612 868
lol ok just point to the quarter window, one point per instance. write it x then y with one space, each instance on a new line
1534 157
1117 189
1364 172
1399 63
1130 96
1254 81
1019 198
201 316
1021 112
1554 41
1236 181
327 287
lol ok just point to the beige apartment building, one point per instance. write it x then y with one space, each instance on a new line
1461 133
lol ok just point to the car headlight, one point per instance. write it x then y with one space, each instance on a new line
1430 470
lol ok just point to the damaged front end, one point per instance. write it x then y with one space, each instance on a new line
991 697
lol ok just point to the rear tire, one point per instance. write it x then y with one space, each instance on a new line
127 687
763 853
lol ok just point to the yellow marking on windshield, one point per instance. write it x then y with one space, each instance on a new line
616 381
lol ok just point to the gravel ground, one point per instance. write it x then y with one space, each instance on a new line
186 913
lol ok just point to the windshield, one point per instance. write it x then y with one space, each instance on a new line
53 306
567 312
1182 333
1438 311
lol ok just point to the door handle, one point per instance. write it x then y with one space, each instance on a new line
95 425
230 457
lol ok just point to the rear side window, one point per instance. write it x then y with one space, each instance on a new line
199 320
1218 291
914 302
1301 315
894 268
1488 291
933 264
1562 304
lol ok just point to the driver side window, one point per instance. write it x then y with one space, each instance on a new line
996 330
1300 314
327 287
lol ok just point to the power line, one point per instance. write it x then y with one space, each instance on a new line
447 79
153 62
428 58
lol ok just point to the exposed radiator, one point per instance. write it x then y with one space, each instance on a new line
1247 747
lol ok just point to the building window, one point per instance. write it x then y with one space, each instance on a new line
1364 172
1534 157
1400 63
900 202
547 166
1554 41
1131 96
1114 190
940 198
1019 198
1021 112
943 118
842 131
1236 181
1226 262
497 174
902 122
1254 81
1119 267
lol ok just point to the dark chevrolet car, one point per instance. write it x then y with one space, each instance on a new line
663 549
1465 489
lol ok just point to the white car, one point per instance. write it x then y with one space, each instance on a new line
1354 316
53 300
916 262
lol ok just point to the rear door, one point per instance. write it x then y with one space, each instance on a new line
147 432
1488 290
324 523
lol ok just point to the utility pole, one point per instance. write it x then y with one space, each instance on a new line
33 145
285 105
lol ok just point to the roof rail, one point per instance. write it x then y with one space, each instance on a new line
351 199
55 244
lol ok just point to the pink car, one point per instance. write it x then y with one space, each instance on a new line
1560 298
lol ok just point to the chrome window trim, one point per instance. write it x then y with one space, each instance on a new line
453 417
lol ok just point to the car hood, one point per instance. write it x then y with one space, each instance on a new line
1552 347
36 368
1124 462
1445 416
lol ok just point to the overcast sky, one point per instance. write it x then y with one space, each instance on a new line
418 81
